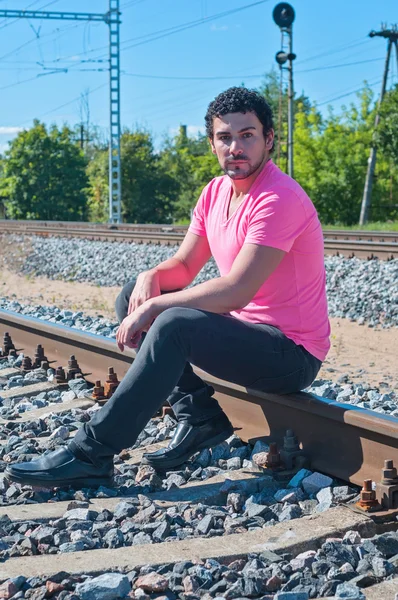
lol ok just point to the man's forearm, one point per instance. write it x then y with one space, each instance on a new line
217 295
172 274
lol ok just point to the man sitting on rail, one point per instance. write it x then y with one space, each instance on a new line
262 324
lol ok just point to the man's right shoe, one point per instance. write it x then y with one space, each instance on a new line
188 440
59 469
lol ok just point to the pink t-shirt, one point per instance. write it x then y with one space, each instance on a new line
275 212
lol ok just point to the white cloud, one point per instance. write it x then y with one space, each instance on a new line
4 130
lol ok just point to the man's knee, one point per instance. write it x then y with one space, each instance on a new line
176 316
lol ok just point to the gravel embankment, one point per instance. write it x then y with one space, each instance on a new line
362 291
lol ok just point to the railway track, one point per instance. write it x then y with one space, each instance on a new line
362 244
341 441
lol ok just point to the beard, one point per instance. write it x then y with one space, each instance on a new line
243 171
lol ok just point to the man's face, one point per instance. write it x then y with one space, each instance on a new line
239 144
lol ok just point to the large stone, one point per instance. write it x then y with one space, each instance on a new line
315 482
81 514
259 447
296 481
205 524
303 560
349 592
152 583
105 587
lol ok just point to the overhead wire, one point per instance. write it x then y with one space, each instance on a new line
175 29
348 93
8 23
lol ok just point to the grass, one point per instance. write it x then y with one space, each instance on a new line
376 226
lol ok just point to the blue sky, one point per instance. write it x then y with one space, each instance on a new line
234 48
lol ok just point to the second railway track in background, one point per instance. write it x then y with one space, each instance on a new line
362 244
343 441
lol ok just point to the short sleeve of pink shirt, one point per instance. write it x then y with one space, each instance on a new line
278 213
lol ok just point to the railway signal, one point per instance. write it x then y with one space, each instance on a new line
284 15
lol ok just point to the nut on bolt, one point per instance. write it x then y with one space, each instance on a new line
273 459
39 356
7 344
60 375
368 500
291 455
387 489
73 368
26 364
111 383
98 391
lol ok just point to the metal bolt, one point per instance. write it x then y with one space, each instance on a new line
389 473
98 391
111 383
387 489
39 356
45 365
26 364
290 442
273 459
12 353
368 496
7 344
60 376
73 367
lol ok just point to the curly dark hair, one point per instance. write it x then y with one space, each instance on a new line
239 99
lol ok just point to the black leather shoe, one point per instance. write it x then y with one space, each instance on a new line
189 439
58 469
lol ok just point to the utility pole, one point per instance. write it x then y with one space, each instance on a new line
112 19
392 36
284 15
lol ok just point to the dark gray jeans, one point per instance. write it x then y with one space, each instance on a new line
252 355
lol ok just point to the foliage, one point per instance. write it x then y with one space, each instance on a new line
56 175
147 189
330 161
191 164
44 176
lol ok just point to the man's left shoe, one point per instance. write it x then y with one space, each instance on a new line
188 440
58 469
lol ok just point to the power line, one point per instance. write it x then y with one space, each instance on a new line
31 41
352 91
175 29
7 24
65 104
256 76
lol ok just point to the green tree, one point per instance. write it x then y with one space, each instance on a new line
330 156
386 135
44 176
147 188
191 164
277 98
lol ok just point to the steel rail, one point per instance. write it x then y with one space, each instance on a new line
359 244
342 440
73 225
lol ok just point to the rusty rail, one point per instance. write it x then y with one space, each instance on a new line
342 440
362 244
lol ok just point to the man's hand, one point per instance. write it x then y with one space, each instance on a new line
131 328
146 287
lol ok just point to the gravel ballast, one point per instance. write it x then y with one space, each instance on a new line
340 568
360 290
